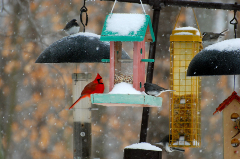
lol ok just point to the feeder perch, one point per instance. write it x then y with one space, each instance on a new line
185 118
136 28
231 125
135 100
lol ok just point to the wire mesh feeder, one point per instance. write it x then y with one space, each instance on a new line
185 120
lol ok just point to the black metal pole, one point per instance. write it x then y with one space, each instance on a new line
193 4
207 5
150 68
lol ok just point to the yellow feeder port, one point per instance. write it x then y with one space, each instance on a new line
185 119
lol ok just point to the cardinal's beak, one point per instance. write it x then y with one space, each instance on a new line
101 80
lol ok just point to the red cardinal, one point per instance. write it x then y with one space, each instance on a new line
95 86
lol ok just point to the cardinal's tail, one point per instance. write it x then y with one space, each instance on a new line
81 97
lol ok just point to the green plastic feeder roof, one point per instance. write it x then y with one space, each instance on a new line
127 27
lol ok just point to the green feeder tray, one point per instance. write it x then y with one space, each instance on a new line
135 100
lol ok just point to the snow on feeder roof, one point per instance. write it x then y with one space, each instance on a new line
127 27
182 34
189 29
77 48
222 58
143 146
142 150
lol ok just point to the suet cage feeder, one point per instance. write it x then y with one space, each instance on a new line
135 28
185 119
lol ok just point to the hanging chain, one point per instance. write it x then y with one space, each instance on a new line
83 9
234 22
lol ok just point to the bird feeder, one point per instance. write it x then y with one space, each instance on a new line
231 125
185 120
79 48
136 28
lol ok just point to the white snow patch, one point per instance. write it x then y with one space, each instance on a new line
124 88
86 34
123 24
196 143
183 33
143 146
181 143
227 45
188 28
182 101
90 35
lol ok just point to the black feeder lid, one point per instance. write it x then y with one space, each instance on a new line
77 48
222 58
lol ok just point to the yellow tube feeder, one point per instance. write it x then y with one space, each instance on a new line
185 119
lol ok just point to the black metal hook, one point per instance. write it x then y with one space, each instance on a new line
234 22
83 9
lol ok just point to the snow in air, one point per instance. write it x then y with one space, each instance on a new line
123 24
227 45
124 88
144 146
188 28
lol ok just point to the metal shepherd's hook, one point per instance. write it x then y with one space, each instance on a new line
83 9
234 22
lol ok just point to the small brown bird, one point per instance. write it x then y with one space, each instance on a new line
211 37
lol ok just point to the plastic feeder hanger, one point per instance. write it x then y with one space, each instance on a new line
185 119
